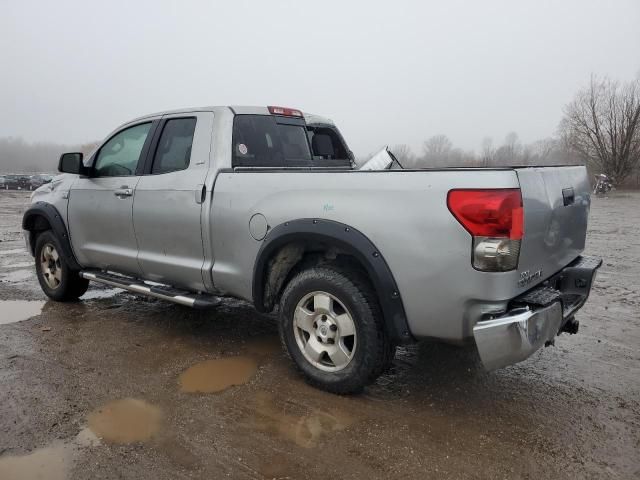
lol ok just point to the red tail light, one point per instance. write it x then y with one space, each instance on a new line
286 112
495 219
488 213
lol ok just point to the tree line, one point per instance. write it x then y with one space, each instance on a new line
438 151
20 156
600 128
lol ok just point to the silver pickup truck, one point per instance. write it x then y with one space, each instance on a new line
266 204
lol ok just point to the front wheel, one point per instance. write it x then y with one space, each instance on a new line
57 280
332 328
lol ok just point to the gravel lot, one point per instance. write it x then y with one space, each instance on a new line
116 386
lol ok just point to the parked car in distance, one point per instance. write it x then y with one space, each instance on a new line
18 182
3 183
38 180
265 204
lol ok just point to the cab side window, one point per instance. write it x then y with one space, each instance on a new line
120 155
327 147
174 147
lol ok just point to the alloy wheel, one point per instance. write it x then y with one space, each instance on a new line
50 266
324 331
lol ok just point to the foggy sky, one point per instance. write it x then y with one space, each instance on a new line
387 72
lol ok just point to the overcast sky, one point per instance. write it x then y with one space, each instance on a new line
386 72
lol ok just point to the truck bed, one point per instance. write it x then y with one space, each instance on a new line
404 213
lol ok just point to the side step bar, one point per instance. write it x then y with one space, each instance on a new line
163 292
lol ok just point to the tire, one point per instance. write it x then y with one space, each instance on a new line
315 309
57 280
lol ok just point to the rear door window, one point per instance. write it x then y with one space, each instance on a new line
174 147
261 141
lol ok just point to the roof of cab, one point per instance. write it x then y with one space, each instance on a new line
237 110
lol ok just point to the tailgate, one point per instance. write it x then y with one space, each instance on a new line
556 206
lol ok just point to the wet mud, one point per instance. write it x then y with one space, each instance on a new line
301 426
217 375
119 386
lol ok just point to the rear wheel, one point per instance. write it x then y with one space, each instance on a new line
332 327
57 280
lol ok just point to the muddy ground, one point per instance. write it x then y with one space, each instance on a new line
117 386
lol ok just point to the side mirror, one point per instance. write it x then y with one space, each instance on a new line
71 163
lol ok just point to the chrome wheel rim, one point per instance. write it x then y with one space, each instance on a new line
324 331
50 266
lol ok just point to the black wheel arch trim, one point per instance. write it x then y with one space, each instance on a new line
351 241
54 218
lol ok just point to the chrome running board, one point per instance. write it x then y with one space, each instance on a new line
163 292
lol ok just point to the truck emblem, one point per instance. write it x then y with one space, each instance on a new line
527 277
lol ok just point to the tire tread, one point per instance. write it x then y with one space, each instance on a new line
72 286
379 351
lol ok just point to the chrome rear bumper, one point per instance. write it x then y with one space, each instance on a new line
511 339
536 316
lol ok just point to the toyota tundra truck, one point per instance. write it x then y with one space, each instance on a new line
266 204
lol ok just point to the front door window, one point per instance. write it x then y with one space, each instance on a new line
119 156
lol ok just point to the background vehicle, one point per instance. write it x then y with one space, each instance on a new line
11 182
38 180
264 204
603 184
18 182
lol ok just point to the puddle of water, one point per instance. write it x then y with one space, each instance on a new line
125 421
12 311
18 276
99 293
218 375
52 462
304 430
13 251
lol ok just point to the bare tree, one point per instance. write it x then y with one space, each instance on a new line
512 145
488 152
602 124
511 152
436 151
438 145
544 149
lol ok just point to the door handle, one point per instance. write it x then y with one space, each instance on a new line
568 196
123 192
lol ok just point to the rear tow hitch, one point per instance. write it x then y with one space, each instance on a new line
571 326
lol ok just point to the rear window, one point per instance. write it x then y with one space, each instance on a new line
274 141
261 141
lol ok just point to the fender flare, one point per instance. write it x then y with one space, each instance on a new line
54 218
349 240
